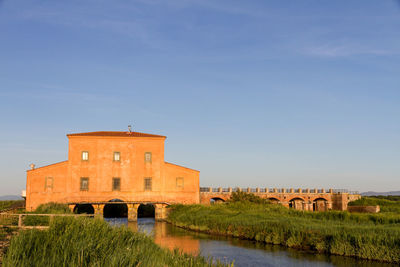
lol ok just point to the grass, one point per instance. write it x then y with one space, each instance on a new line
367 236
48 208
386 203
7 204
92 242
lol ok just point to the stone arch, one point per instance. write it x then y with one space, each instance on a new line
297 203
146 211
320 204
216 200
83 208
119 210
274 200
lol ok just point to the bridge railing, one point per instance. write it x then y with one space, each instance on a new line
274 190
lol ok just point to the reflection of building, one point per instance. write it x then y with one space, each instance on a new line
102 166
184 243
168 236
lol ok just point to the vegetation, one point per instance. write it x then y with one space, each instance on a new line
48 208
242 196
8 204
386 203
5 236
367 236
92 242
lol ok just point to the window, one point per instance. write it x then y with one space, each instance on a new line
147 184
147 157
84 183
116 184
117 156
85 155
179 182
48 183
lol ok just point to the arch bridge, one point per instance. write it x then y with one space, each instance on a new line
299 199
99 208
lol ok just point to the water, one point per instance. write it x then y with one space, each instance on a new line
242 252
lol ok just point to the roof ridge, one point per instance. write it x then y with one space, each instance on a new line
116 134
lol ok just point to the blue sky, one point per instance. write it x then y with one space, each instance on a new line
251 93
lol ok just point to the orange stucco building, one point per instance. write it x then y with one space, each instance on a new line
102 166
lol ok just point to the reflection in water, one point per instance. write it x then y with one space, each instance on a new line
242 252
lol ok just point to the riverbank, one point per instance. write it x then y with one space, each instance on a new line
92 242
366 236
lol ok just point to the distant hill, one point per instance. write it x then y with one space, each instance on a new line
372 193
11 197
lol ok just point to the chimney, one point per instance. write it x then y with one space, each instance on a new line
32 166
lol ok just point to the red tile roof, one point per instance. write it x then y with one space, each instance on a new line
116 134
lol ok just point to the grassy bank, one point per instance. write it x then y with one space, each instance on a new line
365 236
92 242
386 203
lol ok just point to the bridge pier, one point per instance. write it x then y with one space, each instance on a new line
132 212
98 210
71 208
160 211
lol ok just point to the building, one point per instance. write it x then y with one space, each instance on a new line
107 169
105 166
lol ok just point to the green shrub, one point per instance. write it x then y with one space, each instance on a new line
246 197
48 208
53 208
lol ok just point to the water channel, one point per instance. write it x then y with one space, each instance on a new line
242 252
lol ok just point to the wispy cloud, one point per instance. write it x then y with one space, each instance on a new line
345 50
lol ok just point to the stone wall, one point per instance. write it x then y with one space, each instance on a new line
364 209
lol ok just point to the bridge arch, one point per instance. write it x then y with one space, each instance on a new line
274 200
146 211
83 208
119 210
320 204
297 203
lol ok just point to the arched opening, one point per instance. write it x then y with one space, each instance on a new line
273 200
119 210
296 203
216 200
83 208
146 211
320 204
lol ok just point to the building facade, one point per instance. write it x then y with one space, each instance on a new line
104 166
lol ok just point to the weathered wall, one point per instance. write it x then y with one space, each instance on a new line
364 209
185 192
36 193
100 169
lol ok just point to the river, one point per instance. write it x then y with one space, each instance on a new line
241 252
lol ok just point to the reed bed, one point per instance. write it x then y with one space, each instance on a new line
366 236
92 242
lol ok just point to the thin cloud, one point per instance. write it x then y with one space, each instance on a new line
345 50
